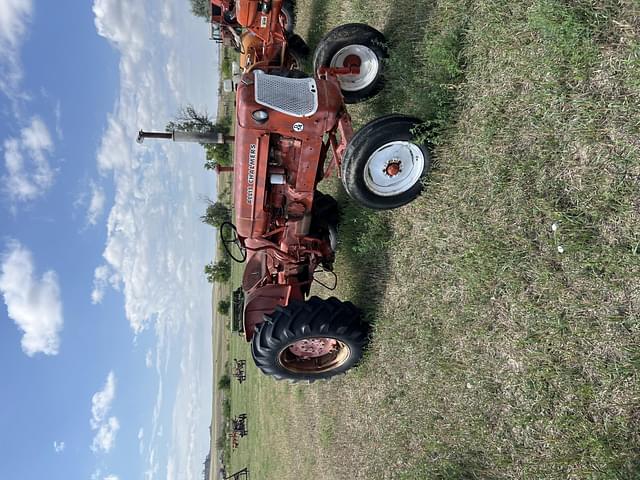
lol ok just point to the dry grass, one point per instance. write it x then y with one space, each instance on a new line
494 354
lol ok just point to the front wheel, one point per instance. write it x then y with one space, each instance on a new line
354 45
308 341
384 164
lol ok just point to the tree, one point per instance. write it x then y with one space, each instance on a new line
201 8
216 214
220 272
217 154
223 307
225 382
188 119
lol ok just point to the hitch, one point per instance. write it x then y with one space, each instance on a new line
324 72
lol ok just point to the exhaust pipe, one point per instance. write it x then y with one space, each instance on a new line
181 136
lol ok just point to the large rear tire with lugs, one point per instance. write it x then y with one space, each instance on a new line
307 341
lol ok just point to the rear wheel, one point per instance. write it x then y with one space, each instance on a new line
288 13
297 52
384 164
354 45
326 210
308 341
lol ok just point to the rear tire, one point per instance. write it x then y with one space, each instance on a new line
341 45
297 52
326 210
289 15
279 342
384 164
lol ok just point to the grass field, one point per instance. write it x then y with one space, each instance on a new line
505 300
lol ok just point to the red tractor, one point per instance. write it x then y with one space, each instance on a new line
267 38
285 229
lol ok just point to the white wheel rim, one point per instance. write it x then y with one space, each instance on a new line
394 168
369 66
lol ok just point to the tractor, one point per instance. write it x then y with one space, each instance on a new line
260 30
291 131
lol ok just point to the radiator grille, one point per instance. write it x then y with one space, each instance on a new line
297 97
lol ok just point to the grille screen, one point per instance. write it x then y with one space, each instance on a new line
297 97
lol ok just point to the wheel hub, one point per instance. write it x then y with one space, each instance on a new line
394 167
352 61
314 355
313 347
359 56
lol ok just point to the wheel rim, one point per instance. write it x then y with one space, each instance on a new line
365 58
314 355
394 168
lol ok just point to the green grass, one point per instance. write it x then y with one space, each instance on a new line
495 354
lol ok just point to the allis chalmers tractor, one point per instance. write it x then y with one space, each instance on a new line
285 228
260 30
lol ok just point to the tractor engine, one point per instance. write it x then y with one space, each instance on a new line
281 123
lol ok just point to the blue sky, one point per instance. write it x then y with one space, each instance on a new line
105 331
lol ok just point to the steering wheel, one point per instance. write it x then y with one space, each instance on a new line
229 237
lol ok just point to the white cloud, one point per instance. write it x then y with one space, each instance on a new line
105 438
148 359
101 401
14 19
33 303
120 22
96 204
141 440
103 276
36 138
99 283
58 447
156 244
28 173
97 475
107 429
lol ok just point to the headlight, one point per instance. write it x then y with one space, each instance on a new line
260 116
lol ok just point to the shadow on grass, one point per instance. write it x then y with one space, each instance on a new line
318 14
425 62
364 251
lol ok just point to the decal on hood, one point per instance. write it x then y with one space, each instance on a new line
251 172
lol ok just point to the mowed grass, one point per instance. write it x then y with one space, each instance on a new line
506 299
274 446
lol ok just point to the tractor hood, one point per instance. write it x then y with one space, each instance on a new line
250 173
280 123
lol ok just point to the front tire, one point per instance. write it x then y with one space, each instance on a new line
307 341
354 44
384 164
